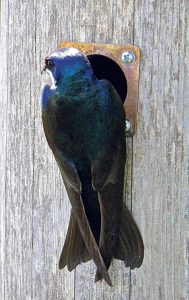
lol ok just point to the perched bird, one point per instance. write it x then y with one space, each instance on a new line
84 124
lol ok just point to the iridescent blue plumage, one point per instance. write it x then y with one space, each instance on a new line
47 93
84 123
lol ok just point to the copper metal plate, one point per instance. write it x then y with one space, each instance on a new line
130 70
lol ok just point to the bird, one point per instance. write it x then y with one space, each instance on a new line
84 124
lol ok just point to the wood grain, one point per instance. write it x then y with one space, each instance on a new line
34 208
160 184
3 137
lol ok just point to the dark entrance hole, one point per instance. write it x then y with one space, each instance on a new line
106 68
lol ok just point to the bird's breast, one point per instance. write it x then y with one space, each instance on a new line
79 129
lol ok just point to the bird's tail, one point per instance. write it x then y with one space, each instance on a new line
130 248
74 251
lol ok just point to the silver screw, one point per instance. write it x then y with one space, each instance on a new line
128 57
127 125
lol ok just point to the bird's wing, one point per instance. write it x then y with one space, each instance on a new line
74 190
108 179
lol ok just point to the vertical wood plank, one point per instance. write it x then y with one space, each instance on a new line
19 154
110 22
160 175
35 218
3 138
51 207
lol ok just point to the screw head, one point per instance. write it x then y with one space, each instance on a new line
127 125
128 57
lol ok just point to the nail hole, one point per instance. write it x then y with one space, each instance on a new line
106 68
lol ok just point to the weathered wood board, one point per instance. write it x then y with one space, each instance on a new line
34 208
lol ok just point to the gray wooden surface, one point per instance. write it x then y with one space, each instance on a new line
34 208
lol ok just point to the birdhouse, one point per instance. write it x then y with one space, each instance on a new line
34 206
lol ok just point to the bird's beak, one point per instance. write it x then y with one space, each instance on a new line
44 69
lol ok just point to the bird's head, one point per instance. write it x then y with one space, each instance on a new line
65 63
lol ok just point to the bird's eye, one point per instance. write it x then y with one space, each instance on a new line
49 63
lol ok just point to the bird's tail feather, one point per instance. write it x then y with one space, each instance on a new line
74 251
130 248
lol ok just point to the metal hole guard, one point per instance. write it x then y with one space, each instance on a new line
127 57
